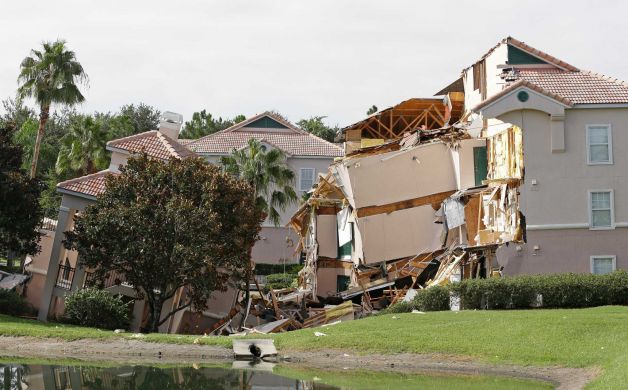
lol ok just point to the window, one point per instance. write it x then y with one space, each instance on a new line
480 164
306 179
601 265
599 144
601 214
342 283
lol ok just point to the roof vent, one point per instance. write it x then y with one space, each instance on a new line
170 124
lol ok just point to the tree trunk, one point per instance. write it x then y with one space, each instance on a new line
43 118
154 316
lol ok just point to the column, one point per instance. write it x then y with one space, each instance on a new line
53 265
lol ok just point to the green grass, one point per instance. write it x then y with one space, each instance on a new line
596 337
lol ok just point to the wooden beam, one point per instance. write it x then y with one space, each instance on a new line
404 204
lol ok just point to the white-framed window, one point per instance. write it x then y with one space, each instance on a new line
605 264
601 209
599 144
306 179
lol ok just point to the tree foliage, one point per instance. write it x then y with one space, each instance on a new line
166 226
142 117
316 126
267 173
83 149
20 213
50 76
372 110
203 123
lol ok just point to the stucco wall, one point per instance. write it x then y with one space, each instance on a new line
564 179
273 246
560 196
327 280
565 250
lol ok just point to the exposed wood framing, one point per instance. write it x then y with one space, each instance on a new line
404 204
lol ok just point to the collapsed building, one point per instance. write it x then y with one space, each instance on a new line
430 206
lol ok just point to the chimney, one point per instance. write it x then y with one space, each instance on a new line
170 124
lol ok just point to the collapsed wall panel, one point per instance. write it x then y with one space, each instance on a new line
399 234
327 236
412 173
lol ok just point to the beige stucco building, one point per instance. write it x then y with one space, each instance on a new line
575 189
307 156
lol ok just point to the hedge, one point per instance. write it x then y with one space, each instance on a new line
526 291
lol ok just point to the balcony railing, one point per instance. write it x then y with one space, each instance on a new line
65 277
112 279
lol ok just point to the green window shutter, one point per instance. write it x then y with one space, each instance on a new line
344 250
480 164
520 57
266 123
342 283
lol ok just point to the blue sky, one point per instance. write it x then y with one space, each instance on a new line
302 58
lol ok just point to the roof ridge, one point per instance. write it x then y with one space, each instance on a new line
130 137
81 178
167 141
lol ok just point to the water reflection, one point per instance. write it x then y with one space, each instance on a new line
45 377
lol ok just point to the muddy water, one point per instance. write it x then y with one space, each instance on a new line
239 375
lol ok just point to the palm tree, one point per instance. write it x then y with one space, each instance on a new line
83 148
266 171
50 77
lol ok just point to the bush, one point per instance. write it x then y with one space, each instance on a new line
13 304
432 299
269 269
96 308
557 291
279 281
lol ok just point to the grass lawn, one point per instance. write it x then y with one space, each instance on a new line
568 337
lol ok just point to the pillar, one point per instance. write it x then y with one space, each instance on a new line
53 264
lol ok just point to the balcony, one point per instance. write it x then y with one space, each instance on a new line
65 277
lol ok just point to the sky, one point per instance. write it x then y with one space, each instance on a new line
332 58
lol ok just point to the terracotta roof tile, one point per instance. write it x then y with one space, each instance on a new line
90 185
154 143
291 143
578 87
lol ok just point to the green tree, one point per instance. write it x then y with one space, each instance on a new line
371 110
15 113
203 123
267 173
115 125
50 77
169 225
20 213
316 126
83 149
142 116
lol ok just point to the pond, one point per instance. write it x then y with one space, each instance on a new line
239 375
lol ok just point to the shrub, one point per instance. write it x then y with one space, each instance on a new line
279 281
269 269
96 308
432 299
557 290
13 304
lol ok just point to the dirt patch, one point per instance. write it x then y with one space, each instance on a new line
126 351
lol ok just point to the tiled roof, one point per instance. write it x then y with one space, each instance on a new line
578 87
153 143
90 185
517 84
295 144
293 140
185 141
